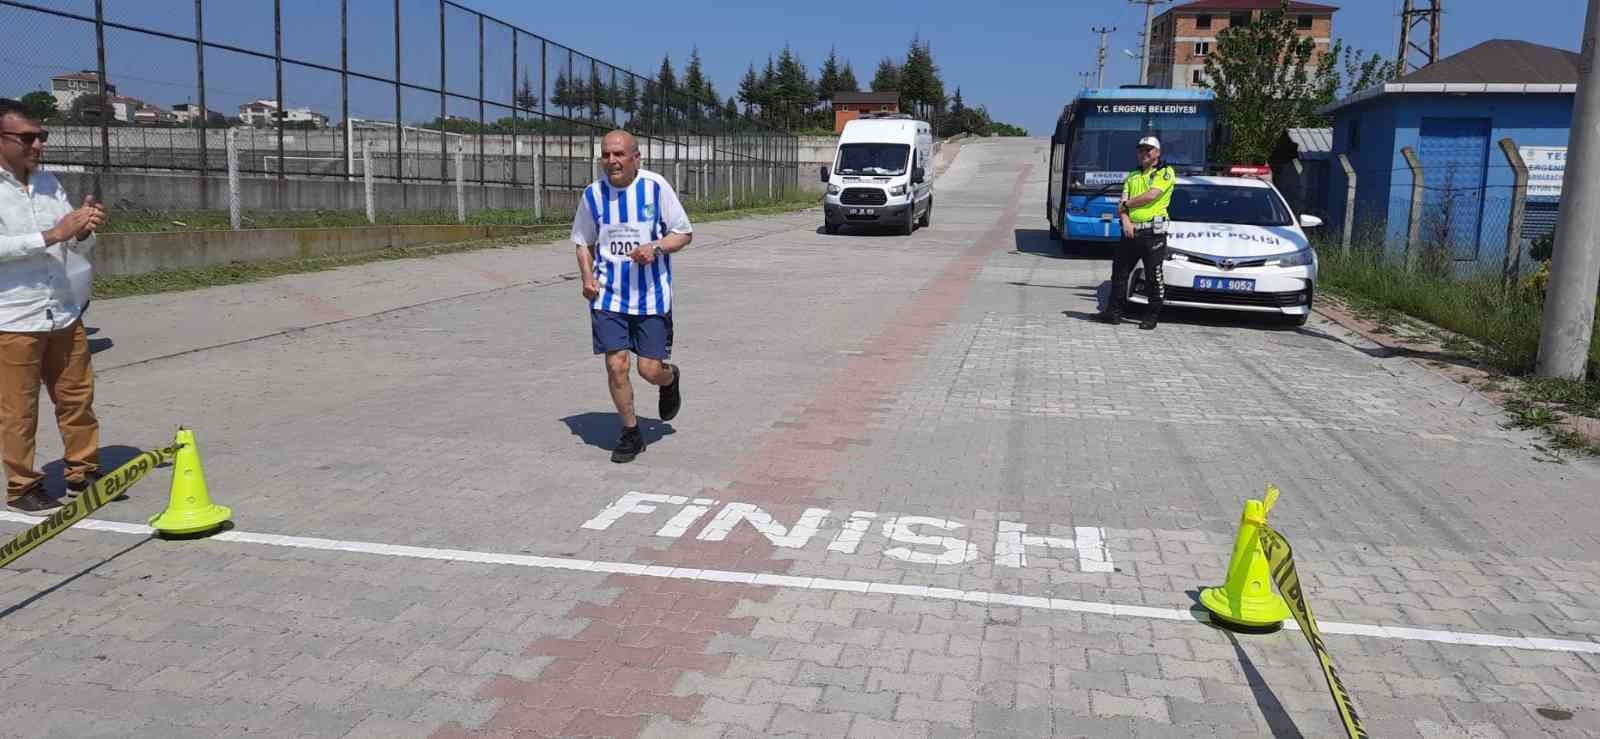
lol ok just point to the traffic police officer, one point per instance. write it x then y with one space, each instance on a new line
1145 196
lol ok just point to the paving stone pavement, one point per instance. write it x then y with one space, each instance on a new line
920 445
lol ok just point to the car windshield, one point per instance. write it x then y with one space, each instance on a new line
874 159
1232 204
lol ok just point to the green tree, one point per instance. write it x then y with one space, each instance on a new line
920 86
794 91
525 97
630 94
828 78
41 105
694 80
750 91
847 80
561 91
1268 78
730 111
887 78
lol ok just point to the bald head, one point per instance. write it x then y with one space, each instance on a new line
619 153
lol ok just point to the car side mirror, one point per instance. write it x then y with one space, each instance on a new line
1309 221
917 176
824 174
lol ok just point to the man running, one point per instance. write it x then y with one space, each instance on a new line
628 225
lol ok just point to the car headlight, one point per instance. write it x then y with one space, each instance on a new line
897 190
833 189
1173 255
1301 258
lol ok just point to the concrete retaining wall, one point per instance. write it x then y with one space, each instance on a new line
137 253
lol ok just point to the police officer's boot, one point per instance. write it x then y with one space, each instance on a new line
1151 315
1112 313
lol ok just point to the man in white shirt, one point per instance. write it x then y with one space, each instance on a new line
42 340
628 225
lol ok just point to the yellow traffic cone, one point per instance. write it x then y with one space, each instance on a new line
1247 599
189 509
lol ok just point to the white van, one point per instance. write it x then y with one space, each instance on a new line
882 175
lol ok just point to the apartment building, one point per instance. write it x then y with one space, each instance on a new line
1182 37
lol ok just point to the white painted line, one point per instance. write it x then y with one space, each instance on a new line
1537 644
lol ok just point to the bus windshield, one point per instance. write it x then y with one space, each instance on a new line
1103 149
882 160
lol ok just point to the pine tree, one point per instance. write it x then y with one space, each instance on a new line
562 92
630 94
847 80
750 90
828 78
767 92
888 77
731 111
525 98
694 81
795 93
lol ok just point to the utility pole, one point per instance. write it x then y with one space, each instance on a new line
1144 56
1412 56
1100 61
1569 303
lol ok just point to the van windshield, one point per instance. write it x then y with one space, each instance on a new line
873 159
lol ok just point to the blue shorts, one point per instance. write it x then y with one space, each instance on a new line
646 336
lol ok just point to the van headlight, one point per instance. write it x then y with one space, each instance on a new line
897 190
833 189
1301 258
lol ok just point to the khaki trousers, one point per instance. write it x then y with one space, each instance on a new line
60 361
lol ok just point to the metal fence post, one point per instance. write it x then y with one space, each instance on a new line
1512 263
233 178
366 179
461 190
1349 200
1414 221
538 185
730 186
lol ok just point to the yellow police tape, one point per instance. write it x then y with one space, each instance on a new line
105 489
1281 558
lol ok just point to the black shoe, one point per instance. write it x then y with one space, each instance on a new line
628 445
75 487
1150 317
35 502
1109 316
671 399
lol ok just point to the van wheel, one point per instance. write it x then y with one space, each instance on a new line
910 226
927 215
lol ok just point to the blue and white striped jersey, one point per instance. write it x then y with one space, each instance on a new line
614 221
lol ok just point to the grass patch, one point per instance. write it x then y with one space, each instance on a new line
234 273
1502 325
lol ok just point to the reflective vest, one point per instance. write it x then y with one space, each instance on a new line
1138 182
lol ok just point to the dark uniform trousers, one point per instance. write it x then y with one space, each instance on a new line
1148 245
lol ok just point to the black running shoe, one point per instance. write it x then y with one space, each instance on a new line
34 502
1109 316
671 398
628 445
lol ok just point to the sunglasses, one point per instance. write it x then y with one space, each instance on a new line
29 137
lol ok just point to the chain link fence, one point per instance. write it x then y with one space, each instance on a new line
447 109
1444 217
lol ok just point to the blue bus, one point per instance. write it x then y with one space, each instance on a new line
1092 151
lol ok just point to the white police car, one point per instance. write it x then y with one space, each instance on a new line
1234 244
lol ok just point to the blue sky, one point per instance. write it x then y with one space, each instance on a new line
1019 58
